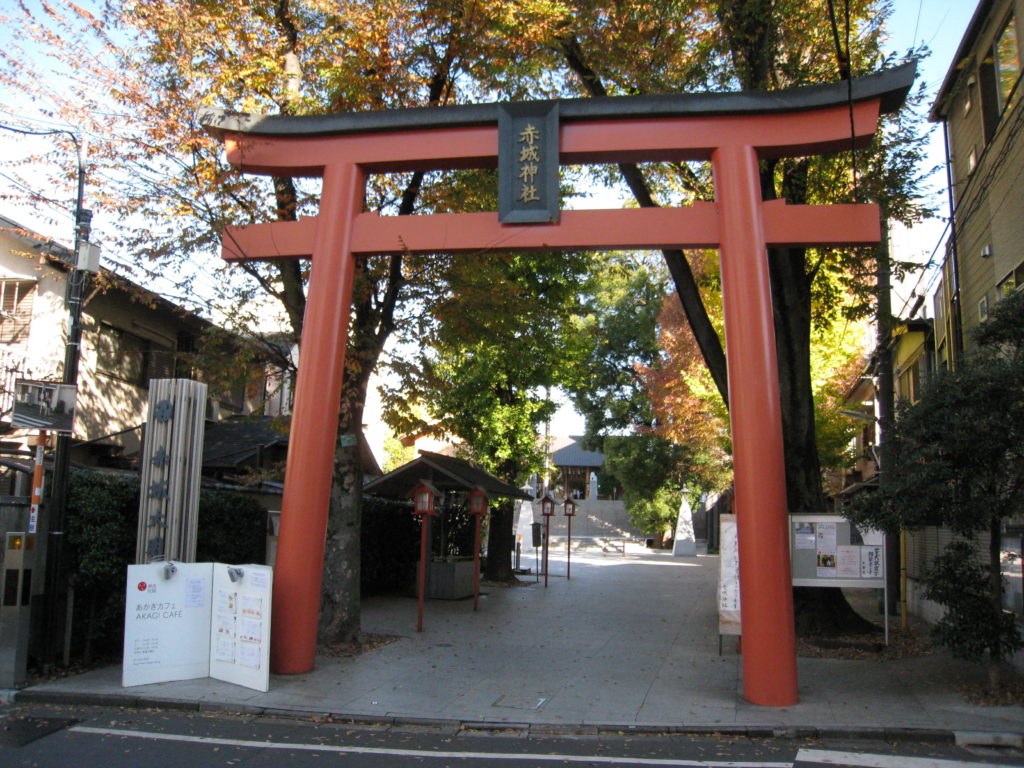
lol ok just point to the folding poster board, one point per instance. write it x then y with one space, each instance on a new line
240 631
166 622
189 620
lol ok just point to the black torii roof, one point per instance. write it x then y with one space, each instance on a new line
890 85
446 473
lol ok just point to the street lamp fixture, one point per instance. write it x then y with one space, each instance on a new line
423 506
547 508
569 510
477 508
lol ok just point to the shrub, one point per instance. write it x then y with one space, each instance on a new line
100 530
390 539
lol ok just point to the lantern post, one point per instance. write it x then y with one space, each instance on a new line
547 508
477 508
569 510
423 506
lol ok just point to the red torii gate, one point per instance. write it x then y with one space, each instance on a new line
732 130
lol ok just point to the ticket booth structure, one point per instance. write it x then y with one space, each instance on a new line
734 131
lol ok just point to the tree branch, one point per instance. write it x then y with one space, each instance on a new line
678 267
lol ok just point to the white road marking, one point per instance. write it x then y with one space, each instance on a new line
422 753
858 760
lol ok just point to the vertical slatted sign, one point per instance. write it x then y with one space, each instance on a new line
172 459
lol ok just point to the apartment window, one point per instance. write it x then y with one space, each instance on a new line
909 382
983 309
1006 57
1012 282
972 160
1000 75
16 298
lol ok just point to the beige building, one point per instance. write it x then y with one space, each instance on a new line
129 336
979 106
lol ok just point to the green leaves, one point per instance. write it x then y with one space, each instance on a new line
955 458
973 623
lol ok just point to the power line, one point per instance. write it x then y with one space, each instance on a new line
37 196
30 119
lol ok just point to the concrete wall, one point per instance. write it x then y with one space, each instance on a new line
594 519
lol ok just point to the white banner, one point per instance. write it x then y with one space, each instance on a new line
728 577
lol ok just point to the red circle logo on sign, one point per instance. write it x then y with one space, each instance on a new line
142 586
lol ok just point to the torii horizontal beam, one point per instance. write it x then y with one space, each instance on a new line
695 226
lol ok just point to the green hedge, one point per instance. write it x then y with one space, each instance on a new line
390 541
100 529
101 526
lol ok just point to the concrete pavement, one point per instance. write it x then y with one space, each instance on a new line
630 642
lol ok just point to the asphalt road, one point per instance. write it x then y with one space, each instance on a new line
82 737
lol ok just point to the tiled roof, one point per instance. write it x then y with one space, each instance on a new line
446 473
574 455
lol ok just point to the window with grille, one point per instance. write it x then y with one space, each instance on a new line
16 309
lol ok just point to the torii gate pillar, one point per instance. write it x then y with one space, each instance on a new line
733 131
755 413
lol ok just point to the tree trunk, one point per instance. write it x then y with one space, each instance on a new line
339 603
500 542
818 610
750 27
995 657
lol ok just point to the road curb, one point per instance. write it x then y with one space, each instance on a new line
516 729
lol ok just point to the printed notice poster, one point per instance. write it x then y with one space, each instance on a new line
195 592
848 562
826 546
871 562
728 578
804 536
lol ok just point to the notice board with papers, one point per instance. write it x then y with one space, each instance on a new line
829 551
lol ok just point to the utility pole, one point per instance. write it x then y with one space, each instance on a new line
885 395
76 283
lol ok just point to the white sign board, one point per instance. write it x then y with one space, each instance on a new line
166 623
728 577
240 629
189 620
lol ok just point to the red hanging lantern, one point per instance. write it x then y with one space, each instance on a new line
423 498
477 502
